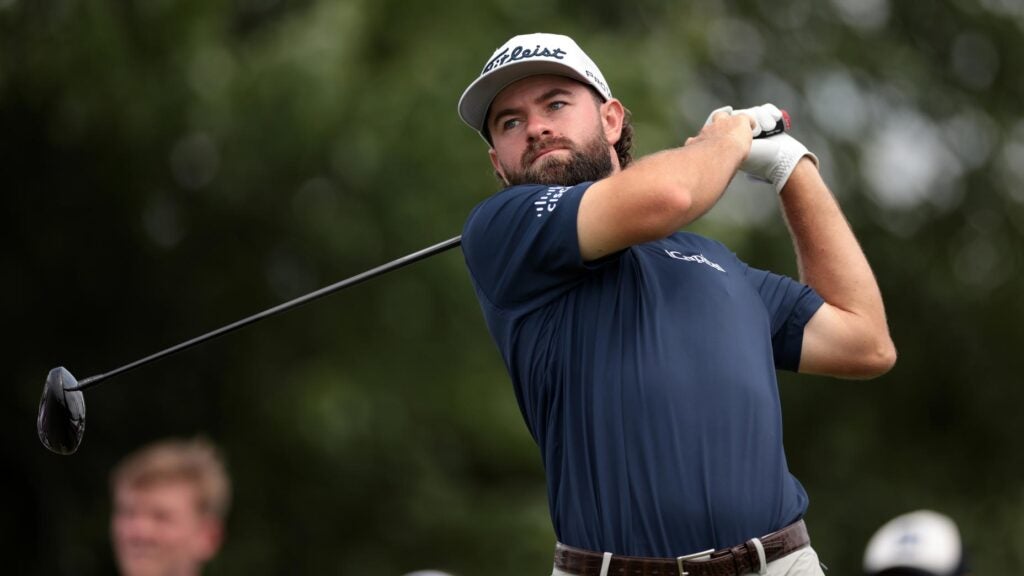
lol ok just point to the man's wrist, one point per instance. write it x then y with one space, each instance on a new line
805 168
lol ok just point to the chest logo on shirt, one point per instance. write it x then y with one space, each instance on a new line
549 200
700 258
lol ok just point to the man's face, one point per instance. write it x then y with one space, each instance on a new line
548 130
158 530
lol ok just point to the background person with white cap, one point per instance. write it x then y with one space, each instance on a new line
919 543
643 358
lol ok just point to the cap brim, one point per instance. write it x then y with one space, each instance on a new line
477 98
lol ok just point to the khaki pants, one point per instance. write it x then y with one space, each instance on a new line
803 562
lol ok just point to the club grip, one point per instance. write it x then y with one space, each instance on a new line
783 125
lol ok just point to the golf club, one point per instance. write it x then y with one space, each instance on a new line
61 420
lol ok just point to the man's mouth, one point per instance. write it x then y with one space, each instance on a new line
542 153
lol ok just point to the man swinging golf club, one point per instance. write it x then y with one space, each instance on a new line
643 358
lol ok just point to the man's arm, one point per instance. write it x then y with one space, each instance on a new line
848 336
661 193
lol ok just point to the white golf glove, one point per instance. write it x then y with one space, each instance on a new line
771 159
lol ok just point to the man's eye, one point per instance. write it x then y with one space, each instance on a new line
509 124
557 105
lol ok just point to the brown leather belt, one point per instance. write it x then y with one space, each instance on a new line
735 561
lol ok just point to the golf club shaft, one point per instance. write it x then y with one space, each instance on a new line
393 265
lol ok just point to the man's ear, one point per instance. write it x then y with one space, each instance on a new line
612 115
498 171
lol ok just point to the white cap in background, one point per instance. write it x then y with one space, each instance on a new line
925 541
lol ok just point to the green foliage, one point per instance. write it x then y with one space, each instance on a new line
173 166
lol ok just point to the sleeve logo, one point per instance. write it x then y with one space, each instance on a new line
547 202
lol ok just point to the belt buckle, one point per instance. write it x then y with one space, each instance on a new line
681 559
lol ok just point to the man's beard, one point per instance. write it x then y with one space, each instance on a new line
590 163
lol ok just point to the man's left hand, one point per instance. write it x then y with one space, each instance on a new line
771 159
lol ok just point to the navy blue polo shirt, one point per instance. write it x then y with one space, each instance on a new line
646 378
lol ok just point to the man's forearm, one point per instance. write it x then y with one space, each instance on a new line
830 258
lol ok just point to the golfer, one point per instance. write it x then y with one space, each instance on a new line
643 358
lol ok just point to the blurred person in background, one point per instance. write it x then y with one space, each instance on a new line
919 543
170 501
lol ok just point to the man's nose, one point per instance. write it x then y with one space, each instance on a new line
537 127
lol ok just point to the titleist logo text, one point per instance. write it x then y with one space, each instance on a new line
521 53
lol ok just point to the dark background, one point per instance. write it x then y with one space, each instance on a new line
172 166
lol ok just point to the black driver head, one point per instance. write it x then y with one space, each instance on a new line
61 420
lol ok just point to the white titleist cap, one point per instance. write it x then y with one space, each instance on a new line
925 541
522 56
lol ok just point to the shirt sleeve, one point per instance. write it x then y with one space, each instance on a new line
790 306
521 245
